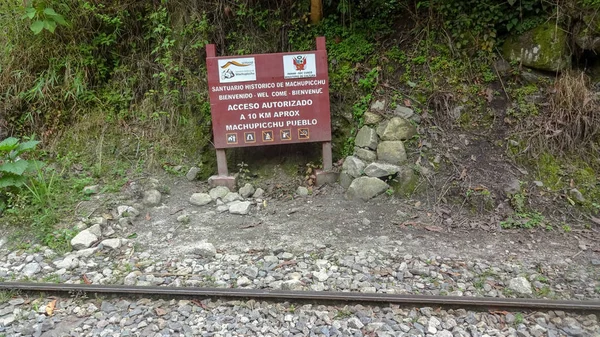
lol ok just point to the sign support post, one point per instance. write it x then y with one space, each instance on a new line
269 99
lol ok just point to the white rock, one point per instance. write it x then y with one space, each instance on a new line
218 192
240 207
247 190
86 252
152 198
302 191
321 276
258 193
204 249
230 197
83 239
127 211
31 269
520 285
243 281
200 199
98 220
96 230
7 320
112 243
68 263
355 323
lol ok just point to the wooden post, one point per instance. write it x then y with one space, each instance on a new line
316 11
327 157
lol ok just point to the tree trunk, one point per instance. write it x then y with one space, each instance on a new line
316 11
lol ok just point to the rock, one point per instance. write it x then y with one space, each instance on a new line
544 47
520 285
83 239
353 166
370 118
378 106
111 243
247 191
443 333
7 320
31 269
538 183
575 194
379 170
365 154
243 281
404 112
391 152
345 179
152 198
93 189
2 241
302 191
513 187
192 173
96 230
127 211
218 192
230 197
366 137
502 67
355 323
365 188
204 249
200 199
258 193
291 285
396 128
183 218
240 207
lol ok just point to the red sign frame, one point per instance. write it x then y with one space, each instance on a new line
269 99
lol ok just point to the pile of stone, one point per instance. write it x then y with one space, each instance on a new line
379 153
240 202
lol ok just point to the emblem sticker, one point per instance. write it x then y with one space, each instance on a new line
237 70
299 66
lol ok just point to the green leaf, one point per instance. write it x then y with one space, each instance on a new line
27 146
132 236
29 13
50 25
35 165
60 20
37 26
8 144
50 11
17 167
11 180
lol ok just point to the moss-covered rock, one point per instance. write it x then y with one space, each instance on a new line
544 47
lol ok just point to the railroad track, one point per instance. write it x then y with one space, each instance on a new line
315 296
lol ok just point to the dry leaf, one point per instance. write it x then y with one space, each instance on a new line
148 217
50 308
407 103
434 228
86 280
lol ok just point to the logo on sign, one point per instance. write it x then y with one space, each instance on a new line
299 62
267 136
286 134
238 70
231 138
250 137
299 66
303 133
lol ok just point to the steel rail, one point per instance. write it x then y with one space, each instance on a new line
321 296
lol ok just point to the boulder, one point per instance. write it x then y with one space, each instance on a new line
353 166
379 170
370 118
192 173
231 196
366 137
200 199
392 152
396 128
246 191
218 192
365 154
365 188
83 240
378 106
544 47
152 198
345 179
240 207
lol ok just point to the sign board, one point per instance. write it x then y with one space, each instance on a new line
268 99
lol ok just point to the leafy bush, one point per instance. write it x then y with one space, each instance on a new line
13 167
